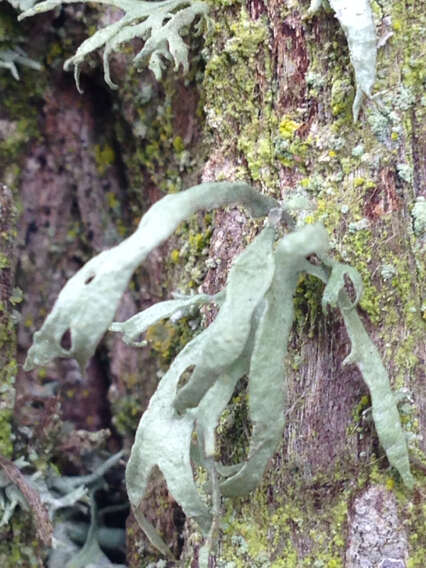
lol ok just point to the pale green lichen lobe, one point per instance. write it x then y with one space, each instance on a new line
86 305
161 24
9 58
356 19
419 216
248 336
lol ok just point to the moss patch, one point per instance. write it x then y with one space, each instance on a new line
275 534
235 109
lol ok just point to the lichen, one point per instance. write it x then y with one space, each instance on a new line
10 58
359 28
161 25
291 149
419 216
387 303
248 336
193 237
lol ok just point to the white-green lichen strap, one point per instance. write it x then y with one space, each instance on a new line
10 57
67 483
91 554
266 379
249 278
216 399
86 305
386 417
22 4
267 385
160 24
335 288
139 323
365 355
163 436
163 439
356 19
165 41
214 403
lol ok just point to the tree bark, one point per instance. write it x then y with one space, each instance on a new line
268 100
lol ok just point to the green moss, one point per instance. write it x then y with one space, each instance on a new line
260 532
359 181
342 92
363 404
417 539
152 137
288 128
178 144
291 149
161 337
6 445
21 101
240 116
307 303
189 258
104 157
18 547
359 246
112 200
233 428
174 256
167 339
4 261
126 412
8 371
55 53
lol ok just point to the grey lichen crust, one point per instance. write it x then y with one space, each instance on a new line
248 337
160 24
356 19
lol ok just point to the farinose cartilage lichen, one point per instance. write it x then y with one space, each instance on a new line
160 24
356 19
249 336
163 23
86 305
54 501
10 58
22 5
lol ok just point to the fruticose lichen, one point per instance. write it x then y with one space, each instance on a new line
9 58
22 4
54 500
248 337
419 216
161 24
356 19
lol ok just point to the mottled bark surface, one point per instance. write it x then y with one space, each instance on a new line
268 101
7 323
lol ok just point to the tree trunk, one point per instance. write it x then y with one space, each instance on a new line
268 99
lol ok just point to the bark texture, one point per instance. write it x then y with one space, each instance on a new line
268 99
